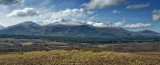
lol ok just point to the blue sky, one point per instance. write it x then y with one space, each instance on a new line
132 15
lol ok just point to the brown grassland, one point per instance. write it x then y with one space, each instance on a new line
80 57
42 52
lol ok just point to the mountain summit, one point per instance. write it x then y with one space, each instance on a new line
27 27
29 23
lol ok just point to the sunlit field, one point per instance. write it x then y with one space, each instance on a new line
47 52
80 57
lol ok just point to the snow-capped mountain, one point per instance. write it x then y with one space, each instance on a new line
65 21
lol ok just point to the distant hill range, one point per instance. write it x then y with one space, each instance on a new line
31 28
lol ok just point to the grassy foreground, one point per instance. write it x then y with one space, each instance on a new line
80 57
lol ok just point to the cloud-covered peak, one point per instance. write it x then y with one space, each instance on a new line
138 25
65 21
24 12
99 4
102 24
137 6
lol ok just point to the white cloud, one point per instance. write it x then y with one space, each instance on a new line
67 13
99 4
24 12
138 25
64 21
11 2
101 24
96 24
91 18
118 24
108 24
116 12
71 13
90 12
137 6
156 15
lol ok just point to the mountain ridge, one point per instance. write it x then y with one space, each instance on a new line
31 28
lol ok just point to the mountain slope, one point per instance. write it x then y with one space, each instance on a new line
148 33
22 28
71 31
31 28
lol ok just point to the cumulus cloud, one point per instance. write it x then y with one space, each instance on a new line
67 13
71 13
156 15
108 24
116 12
138 25
90 12
24 12
91 18
96 24
99 4
137 6
118 24
11 2
65 21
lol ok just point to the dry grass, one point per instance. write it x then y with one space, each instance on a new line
102 46
26 43
79 57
